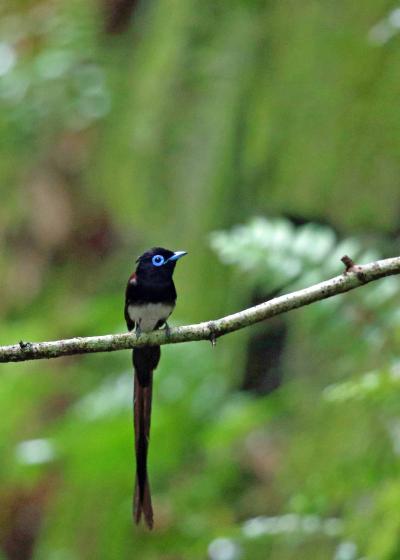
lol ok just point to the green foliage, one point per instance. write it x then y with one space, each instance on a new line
274 252
200 116
345 435
57 82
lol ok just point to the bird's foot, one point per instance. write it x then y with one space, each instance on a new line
138 330
167 329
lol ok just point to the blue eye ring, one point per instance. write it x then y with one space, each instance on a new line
158 260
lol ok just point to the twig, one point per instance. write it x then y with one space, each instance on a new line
348 263
353 277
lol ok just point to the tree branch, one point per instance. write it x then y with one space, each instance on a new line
353 277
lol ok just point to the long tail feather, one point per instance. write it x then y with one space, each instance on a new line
145 360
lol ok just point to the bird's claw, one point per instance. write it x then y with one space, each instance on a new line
167 329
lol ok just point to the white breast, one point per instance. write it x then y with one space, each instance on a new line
149 314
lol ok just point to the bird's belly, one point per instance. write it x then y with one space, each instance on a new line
149 315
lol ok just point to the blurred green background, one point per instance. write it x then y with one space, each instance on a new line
263 137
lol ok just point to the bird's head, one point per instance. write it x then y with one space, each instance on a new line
158 262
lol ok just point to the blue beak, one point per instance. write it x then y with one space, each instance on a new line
177 255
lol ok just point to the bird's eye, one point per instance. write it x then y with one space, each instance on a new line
158 260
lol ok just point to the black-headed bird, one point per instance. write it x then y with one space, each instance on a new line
150 299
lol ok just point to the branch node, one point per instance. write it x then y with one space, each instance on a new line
25 345
356 269
348 263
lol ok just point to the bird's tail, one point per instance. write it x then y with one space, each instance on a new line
145 361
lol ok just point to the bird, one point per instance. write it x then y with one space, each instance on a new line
150 298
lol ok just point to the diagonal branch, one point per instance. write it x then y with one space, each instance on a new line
353 277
